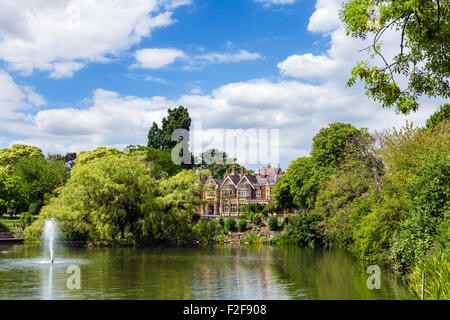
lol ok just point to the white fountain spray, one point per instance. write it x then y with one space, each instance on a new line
49 236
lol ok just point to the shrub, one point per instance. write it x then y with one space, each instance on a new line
26 219
242 225
304 227
436 266
195 218
285 240
35 207
250 217
272 223
230 224
257 219
253 239
207 229
3 227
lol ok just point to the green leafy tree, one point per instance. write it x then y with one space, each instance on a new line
329 145
423 53
171 218
68 158
9 157
161 138
282 194
86 156
440 116
303 183
160 161
118 196
12 193
40 177
218 162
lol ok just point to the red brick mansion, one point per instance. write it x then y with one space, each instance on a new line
225 196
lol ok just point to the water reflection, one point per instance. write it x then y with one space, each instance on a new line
190 273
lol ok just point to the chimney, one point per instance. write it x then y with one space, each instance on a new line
242 172
233 170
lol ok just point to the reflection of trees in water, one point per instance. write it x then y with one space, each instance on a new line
329 274
236 273
256 272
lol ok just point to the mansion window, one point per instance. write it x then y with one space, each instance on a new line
258 193
227 192
225 207
210 191
243 193
234 207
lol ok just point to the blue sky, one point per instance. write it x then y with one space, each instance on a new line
78 74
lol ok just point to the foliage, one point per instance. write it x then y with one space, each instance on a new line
256 218
68 159
440 116
285 240
436 266
253 239
345 198
161 138
218 162
161 161
405 220
3 227
304 227
282 195
26 219
117 194
85 156
242 225
330 144
9 157
207 229
252 207
272 222
40 177
12 193
230 224
422 58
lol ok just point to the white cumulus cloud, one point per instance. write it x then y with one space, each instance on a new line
62 36
156 58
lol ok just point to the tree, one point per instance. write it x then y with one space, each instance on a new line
40 177
329 145
117 196
85 156
161 138
298 176
160 161
218 162
423 55
68 158
9 157
282 194
443 114
12 194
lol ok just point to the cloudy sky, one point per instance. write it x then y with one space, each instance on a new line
78 74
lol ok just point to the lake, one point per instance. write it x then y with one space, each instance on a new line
212 272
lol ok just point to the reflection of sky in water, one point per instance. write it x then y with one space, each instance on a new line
188 273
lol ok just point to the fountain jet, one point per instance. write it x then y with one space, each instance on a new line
49 236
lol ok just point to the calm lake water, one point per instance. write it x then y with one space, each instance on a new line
213 272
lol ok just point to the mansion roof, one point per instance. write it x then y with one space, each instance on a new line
266 175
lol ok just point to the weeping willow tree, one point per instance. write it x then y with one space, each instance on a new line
116 195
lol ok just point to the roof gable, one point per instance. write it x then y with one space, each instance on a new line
249 179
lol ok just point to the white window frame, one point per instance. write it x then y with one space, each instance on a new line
243 193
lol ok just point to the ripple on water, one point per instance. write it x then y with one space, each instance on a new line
29 263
